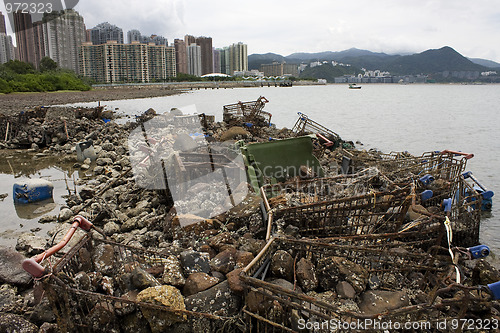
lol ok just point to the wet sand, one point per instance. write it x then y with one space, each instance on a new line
13 103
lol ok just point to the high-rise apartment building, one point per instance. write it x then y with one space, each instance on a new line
62 38
6 45
216 60
118 63
104 32
233 58
6 48
206 52
134 36
238 57
180 56
25 38
188 39
2 24
194 59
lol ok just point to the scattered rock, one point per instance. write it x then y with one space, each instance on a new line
345 290
225 261
12 271
194 262
8 297
31 244
233 278
282 265
142 279
218 300
197 282
377 301
235 132
11 323
65 214
104 259
306 275
172 273
159 321
331 270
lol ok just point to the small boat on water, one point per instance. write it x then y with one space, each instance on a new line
354 86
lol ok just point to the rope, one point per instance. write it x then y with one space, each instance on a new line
449 236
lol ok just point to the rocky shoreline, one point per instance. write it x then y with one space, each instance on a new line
202 275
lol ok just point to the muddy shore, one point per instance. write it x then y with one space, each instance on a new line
13 103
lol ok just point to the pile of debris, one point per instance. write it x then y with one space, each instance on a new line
303 230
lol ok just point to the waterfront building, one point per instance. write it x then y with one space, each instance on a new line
62 37
180 56
238 57
279 69
2 24
216 60
121 63
194 59
206 54
25 38
233 58
104 32
134 36
7 51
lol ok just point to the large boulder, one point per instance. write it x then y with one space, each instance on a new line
12 272
160 320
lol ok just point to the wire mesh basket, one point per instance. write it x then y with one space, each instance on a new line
404 167
247 111
283 308
89 297
344 205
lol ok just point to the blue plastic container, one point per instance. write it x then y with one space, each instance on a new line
32 190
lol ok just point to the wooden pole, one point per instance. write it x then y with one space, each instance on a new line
66 129
7 131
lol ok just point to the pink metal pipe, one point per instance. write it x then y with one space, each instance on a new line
33 266
467 156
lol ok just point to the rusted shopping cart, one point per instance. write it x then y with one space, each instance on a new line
341 205
96 295
247 111
326 138
274 306
402 166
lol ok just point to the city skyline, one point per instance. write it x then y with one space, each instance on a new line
388 26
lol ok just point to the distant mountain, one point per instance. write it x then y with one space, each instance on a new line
431 61
337 56
329 72
255 60
485 63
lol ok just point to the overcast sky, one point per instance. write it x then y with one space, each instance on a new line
391 26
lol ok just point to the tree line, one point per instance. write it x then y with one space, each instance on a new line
19 76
